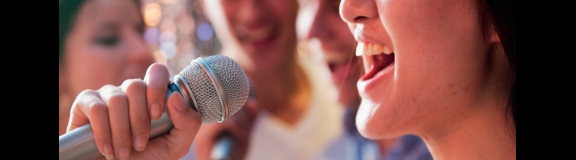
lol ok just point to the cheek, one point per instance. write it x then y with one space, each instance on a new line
436 44
92 69
285 9
286 13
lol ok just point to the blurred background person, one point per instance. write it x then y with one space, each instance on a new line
295 117
100 42
328 37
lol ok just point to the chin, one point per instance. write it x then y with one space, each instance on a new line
375 121
365 120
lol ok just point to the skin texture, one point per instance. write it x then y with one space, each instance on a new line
118 89
448 82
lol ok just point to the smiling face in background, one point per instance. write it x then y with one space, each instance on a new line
436 72
327 35
263 29
105 46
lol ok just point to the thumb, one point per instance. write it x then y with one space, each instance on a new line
186 122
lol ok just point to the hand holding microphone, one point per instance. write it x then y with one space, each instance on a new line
135 120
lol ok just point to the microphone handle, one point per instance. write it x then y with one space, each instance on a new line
79 143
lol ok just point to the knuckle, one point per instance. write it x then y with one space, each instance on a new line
107 86
87 92
135 85
97 109
140 118
118 99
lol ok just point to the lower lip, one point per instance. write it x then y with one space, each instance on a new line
368 81
263 44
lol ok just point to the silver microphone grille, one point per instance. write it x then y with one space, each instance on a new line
219 86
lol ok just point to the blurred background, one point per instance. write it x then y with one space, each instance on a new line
178 32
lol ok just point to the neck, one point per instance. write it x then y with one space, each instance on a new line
386 145
488 130
285 92
487 134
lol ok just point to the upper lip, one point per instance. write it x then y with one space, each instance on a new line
363 36
366 38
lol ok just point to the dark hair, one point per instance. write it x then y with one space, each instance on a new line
67 15
503 16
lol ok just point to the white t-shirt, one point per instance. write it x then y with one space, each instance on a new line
320 125
307 140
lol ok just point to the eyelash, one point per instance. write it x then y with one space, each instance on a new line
107 41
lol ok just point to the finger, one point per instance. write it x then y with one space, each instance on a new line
186 123
89 108
205 139
157 80
135 89
178 141
119 120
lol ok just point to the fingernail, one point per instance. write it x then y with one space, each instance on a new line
123 153
107 149
139 142
180 106
155 111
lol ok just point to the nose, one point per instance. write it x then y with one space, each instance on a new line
251 11
318 22
311 21
356 11
138 50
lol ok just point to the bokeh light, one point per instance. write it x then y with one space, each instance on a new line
152 35
204 32
167 36
168 49
152 14
167 1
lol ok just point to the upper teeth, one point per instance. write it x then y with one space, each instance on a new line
371 49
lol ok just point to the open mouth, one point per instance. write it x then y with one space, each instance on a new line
257 37
346 64
378 56
341 70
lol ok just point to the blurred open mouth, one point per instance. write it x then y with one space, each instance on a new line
342 68
260 37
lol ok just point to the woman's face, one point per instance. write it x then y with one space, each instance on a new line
264 29
439 55
105 46
320 24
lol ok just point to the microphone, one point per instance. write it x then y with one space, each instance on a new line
215 86
224 146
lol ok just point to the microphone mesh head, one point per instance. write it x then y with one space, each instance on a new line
233 80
